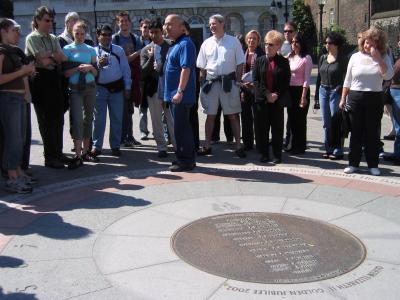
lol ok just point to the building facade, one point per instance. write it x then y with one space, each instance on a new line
241 16
358 15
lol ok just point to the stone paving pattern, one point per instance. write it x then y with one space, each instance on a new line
103 231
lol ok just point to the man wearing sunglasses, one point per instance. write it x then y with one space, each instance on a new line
113 84
289 31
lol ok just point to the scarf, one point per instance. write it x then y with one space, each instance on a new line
253 60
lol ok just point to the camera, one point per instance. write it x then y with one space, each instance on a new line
26 60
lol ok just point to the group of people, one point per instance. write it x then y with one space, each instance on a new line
161 73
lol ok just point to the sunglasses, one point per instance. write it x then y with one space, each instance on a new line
105 34
269 45
288 31
329 43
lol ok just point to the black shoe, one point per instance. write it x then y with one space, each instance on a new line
392 158
89 157
144 136
127 144
136 143
54 164
65 159
203 151
277 161
248 148
265 159
95 152
116 152
389 137
162 154
75 163
240 153
182 167
297 152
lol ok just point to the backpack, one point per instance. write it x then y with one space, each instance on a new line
117 39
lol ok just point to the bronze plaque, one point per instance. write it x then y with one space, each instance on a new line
268 247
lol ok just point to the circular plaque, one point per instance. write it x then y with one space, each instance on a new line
268 247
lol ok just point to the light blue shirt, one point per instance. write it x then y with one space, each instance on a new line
81 53
116 68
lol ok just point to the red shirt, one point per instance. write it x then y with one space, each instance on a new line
268 76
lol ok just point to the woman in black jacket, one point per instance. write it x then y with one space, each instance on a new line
271 77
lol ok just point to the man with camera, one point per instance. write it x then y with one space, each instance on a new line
113 84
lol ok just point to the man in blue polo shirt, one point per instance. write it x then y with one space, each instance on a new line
180 90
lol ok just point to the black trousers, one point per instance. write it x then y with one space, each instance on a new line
365 112
268 116
194 122
297 117
28 139
217 127
247 120
48 101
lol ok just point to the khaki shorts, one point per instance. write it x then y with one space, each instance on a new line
230 102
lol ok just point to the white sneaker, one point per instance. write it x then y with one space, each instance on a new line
375 171
349 170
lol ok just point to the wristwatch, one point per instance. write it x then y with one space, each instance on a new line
180 91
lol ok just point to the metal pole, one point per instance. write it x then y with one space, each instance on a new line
286 14
321 36
95 14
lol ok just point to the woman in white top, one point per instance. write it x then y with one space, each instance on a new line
362 97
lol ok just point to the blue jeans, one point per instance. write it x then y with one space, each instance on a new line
13 126
115 103
396 116
185 153
329 100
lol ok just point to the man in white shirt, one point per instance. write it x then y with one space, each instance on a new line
220 61
289 30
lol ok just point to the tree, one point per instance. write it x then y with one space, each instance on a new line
338 29
302 16
6 9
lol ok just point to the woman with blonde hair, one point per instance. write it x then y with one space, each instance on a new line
271 76
363 98
81 71
253 51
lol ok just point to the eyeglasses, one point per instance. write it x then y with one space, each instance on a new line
288 31
105 34
269 45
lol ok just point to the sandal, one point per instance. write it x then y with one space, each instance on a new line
204 151
326 155
335 156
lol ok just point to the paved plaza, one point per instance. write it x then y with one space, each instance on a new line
104 231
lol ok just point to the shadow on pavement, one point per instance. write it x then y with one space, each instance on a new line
10 262
17 296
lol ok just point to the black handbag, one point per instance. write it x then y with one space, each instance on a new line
114 86
387 97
